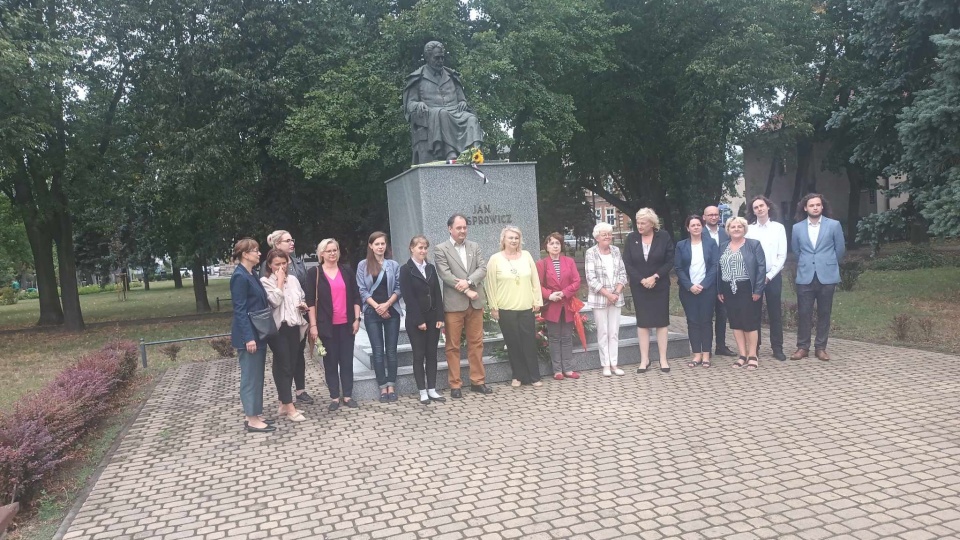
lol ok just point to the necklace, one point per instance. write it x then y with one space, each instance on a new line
513 270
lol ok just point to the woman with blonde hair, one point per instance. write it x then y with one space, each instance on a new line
648 257
743 275
513 294
283 240
334 309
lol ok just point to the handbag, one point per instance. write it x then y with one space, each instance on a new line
263 323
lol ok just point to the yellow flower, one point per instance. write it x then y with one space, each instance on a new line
478 157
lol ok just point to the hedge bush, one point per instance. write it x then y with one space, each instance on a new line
43 429
8 296
913 258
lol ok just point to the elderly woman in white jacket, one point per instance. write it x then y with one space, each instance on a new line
287 301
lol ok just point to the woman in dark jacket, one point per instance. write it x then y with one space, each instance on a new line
741 278
248 296
696 267
333 300
648 258
420 288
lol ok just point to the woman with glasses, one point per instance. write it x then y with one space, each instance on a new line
248 296
334 311
513 294
283 241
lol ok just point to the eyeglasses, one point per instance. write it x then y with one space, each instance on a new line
287 241
712 215
331 251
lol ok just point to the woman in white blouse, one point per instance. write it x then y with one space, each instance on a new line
696 267
288 304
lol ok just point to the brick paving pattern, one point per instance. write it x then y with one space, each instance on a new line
866 446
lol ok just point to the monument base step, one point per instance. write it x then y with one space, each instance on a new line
498 369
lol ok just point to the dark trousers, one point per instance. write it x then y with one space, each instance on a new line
519 330
284 346
251 380
300 367
338 363
699 310
424 344
720 324
806 296
772 293
384 335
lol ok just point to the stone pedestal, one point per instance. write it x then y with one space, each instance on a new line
421 199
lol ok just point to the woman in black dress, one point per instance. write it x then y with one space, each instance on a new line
648 257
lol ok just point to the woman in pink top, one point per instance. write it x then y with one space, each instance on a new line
334 310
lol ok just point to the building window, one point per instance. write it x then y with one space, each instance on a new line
873 196
611 216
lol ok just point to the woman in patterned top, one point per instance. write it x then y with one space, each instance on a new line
743 273
606 278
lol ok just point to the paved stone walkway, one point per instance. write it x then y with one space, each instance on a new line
866 446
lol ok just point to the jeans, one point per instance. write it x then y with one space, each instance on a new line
519 329
806 296
383 334
338 363
699 310
251 380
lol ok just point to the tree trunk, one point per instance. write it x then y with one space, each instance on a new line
146 279
69 293
855 176
768 189
200 287
41 245
177 278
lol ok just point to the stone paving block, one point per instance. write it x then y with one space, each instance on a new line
857 448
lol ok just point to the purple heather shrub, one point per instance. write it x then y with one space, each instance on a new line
43 429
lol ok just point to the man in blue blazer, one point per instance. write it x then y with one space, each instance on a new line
714 229
819 245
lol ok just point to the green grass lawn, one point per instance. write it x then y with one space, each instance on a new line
162 300
930 296
31 358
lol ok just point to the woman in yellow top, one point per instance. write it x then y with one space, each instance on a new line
513 294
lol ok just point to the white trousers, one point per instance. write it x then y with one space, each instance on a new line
608 334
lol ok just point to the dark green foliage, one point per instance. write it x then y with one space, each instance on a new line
912 258
849 274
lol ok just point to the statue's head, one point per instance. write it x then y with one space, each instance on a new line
434 54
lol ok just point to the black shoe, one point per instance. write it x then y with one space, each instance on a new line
724 351
352 403
334 405
438 399
251 429
456 393
392 396
780 356
269 422
384 397
481 389
642 369
304 397
425 401
664 369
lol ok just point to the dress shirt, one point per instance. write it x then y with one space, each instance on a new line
461 250
813 231
773 238
714 234
422 267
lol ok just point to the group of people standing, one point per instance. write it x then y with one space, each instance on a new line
728 272
723 274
